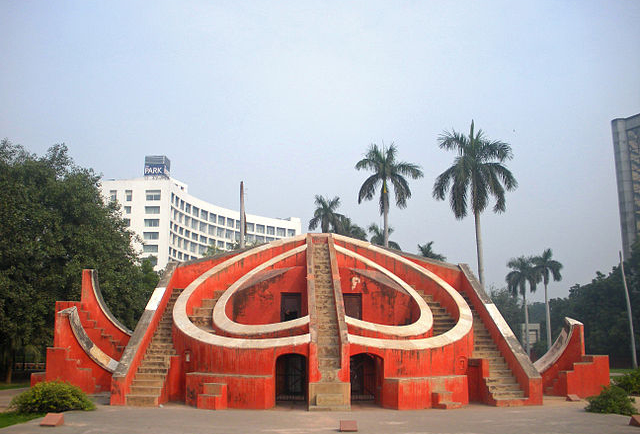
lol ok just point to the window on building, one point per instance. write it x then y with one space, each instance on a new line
187 220
271 230
220 245
229 236
204 215
204 240
260 229
280 232
127 210
291 232
151 223
269 239
250 227
203 227
195 211
182 204
181 231
259 239
150 235
187 208
220 234
152 210
180 258
251 238
229 222
113 195
150 248
221 220
192 247
194 224
153 194
237 224
229 246
127 223
212 217
212 230
194 236
128 195
236 235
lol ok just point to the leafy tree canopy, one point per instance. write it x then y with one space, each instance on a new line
53 224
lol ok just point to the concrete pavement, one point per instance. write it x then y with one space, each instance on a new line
556 416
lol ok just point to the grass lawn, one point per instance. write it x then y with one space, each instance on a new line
12 418
16 385
620 370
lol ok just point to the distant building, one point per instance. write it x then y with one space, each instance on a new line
175 226
626 147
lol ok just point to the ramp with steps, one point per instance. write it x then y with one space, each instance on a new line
329 392
147 386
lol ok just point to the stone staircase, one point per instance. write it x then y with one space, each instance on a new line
203 316
502 384
105 341
330 390
150 377
442 321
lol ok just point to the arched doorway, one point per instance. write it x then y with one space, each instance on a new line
366 377
291 378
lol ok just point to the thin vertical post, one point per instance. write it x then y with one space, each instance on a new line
634 361
242 215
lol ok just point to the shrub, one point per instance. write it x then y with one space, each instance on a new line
629 382
53 396
611 400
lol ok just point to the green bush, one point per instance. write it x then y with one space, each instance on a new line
611 400
53 396
629 382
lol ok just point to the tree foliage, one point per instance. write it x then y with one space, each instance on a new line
387 173
53 224
326 215
477 174
350 229
427 251
377 236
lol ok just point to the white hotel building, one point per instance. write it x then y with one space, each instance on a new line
174 226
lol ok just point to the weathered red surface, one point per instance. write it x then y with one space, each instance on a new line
574 372
213 376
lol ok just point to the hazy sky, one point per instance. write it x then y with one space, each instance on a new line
287 96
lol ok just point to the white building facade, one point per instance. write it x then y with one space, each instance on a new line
173 225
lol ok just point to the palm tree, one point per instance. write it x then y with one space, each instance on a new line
427 252
477 172
377 236
523 272
546 267
325 214
387 172
350 229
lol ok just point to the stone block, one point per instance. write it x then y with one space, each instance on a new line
573 397
635 420
53 419
348 426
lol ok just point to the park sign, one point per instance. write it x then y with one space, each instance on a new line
156 165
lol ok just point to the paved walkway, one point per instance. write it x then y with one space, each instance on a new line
556 416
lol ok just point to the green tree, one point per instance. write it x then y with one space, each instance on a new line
325 215
508 306
476 174
350 229
427 251
522 272
54 223
547 268
387 172
377 236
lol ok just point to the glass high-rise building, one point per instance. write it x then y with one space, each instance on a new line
626 146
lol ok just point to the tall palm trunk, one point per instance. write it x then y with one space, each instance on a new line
526 324
479 249
385 212
546 307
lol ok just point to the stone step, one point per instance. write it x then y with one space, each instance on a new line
146 383
149 376
508 395
142 400
208 303
329 399
145 390
143 370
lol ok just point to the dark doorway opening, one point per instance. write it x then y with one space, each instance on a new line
291 378
290 306
353 305
366 377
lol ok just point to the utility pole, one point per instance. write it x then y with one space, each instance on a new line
242 215
634 361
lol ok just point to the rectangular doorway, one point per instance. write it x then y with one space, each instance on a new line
353 305
290 306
